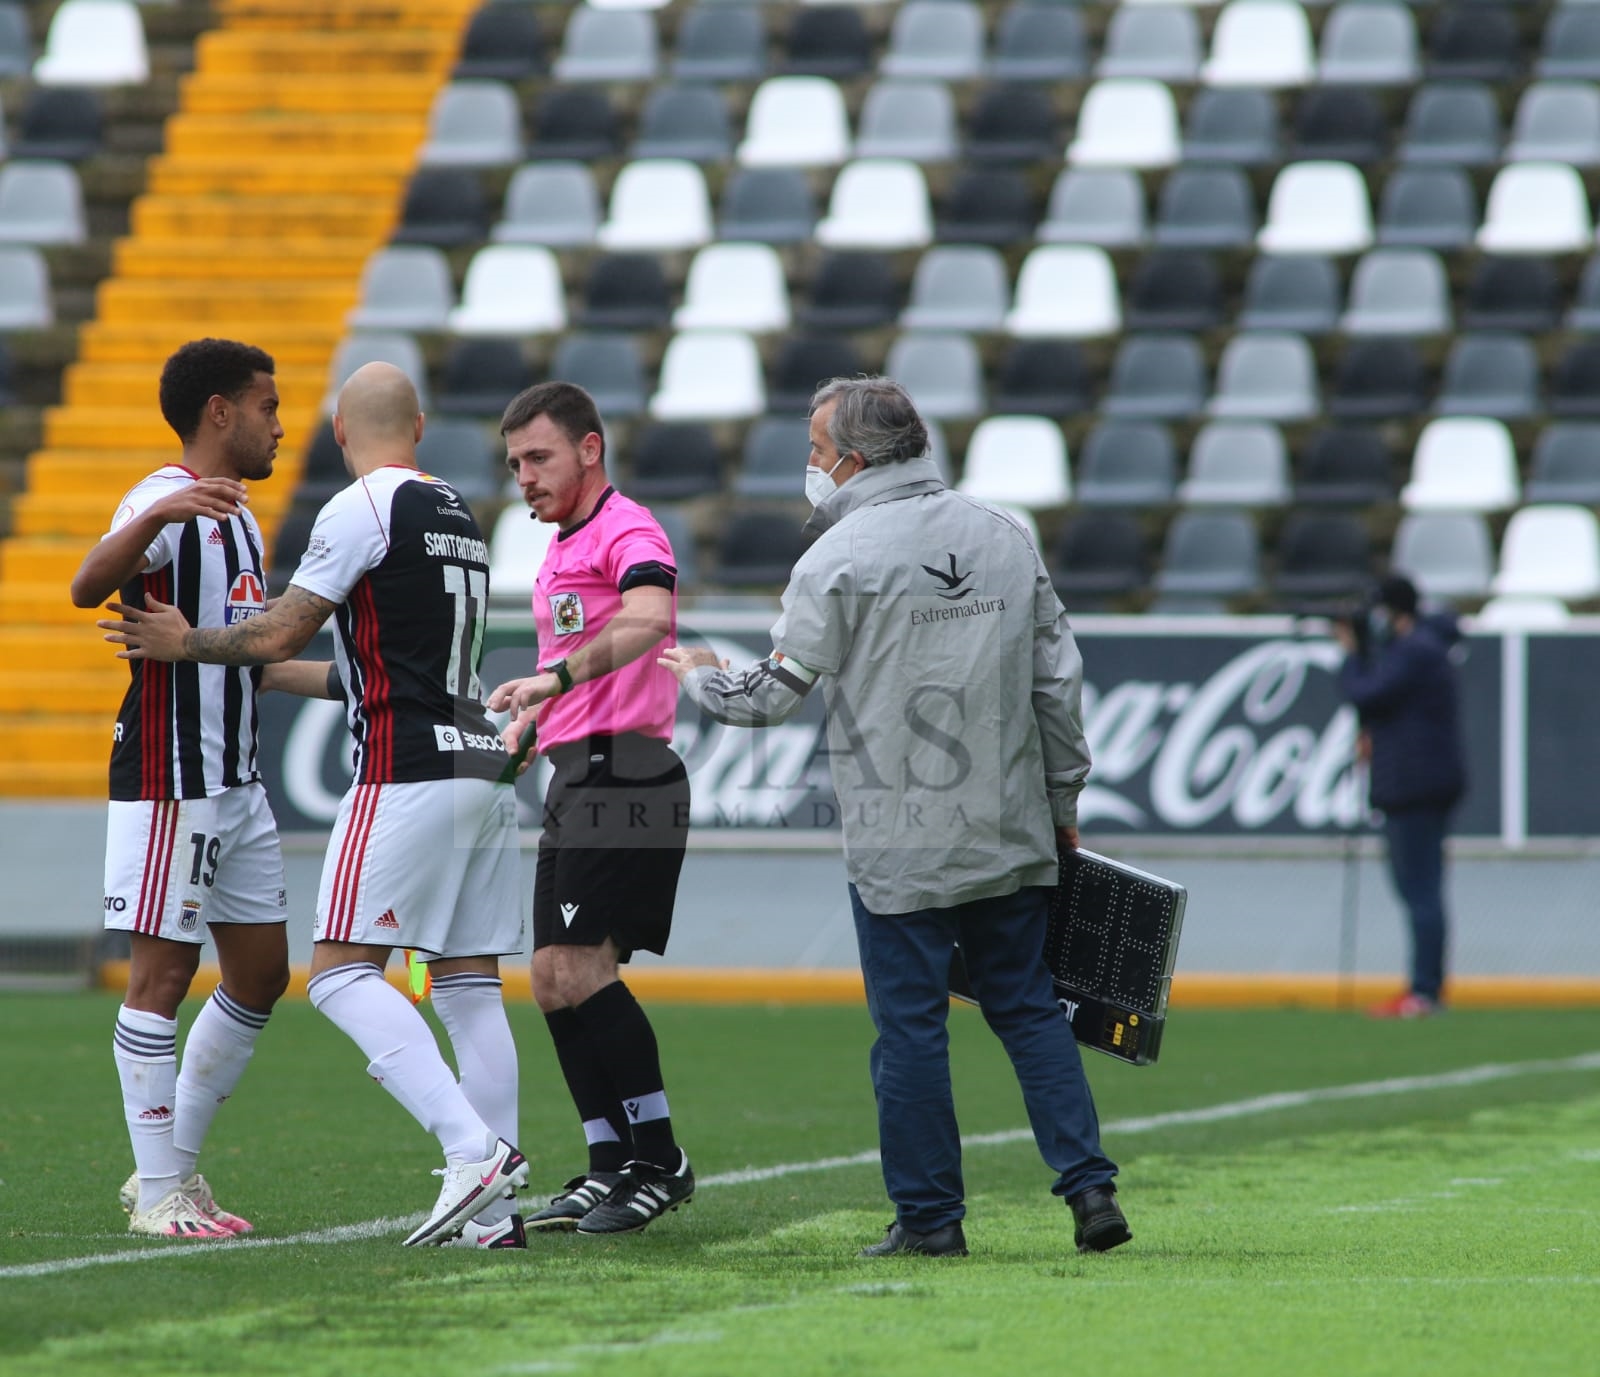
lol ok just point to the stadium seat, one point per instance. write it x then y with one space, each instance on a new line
517 548
1210 553
958 287
684 121
1127 464
1519 613
458 451
1236 464
734 287
1575 384
942 39
709 375
1462 464
607 45
674 462
16 41
770 205
1126 122
1556 121
1095 205
1162 43
802 363
1398 292
758 549
1065 291
1512 294
1317 208
480 376
511 289
404 287
1456 123
877 203
831 41
443 206
626 291
1476 42
1378 377
1368 45
1571 46
851 291
41 203
474 124
986 205
942 372
1017 460
26 301
1270 376
1173 290
657 204
1322 556
1013 124
796 121
721 43
1205 208
908 119
377 346
607 367
1339 124
1039 42
502 43
60 122
1584 313
94 43
1565 465
1536 208
1299 293
1232 126
1345 467
1044 377
1446 554
324 472
1099 555
680 537
1550 551
1156 377
1490 374
552 203
774 454
1427 207
1261 43
575 122
289 544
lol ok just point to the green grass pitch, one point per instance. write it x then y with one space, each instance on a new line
1445 1224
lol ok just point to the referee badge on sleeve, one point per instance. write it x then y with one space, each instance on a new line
566 610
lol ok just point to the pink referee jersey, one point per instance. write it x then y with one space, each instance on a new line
579 589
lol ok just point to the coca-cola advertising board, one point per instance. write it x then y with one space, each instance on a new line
1233 729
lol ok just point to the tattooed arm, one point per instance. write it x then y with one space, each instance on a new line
161 632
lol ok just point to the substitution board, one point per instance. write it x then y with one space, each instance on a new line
1111 946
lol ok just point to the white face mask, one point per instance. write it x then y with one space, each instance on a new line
819 482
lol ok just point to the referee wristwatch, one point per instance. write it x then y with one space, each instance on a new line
562 673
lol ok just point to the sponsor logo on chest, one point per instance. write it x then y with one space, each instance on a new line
246 599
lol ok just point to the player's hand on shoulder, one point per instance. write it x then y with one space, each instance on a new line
218 498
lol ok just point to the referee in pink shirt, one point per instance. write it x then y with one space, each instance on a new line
617 812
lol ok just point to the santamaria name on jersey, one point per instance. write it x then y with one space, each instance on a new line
448 545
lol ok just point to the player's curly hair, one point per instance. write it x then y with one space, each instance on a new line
203 369
571 410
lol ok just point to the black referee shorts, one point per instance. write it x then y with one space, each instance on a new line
616 820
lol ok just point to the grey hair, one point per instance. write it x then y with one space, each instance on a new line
875 418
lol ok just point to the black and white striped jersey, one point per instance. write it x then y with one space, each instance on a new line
404 559
189 730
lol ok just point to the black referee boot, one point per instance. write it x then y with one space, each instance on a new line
950 1241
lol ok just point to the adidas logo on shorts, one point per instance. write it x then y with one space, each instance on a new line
387 920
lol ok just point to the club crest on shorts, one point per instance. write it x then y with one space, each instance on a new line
189 915
566 609
246 599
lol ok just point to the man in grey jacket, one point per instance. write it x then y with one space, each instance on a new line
956 743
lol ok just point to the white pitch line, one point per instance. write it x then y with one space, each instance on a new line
1149 1123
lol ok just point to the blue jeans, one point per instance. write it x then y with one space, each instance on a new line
905 961
1416 865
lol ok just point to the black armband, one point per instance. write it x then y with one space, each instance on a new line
335 683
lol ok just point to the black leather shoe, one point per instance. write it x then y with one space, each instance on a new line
946 1242
1100 1226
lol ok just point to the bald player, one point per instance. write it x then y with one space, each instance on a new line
424 852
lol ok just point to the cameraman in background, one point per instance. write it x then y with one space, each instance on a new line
1399 676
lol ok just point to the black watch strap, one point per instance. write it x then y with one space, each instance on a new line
560 670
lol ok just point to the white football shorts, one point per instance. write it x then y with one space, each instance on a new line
432 865
175 865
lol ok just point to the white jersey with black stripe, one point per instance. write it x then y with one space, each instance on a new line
189 730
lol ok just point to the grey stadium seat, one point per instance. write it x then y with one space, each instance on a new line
554 203
1446 554
26 302
1398 292
1571 45
1160 42
1456 123
1270 375
942 372
684 121
41 203
1095 205
721 43
405 287
459 452
607 45
1156 377
1232 125
771 205
1565 466
474 124
1490 375
908 119
608 367
958 287
1206 208
1173 289
1299 292
1429 208
1236 464
1556 121
674 462
1210 553
773 447
1127 464
935 38
1039 42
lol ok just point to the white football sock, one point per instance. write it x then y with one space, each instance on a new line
474 1015
398 1042
215 1053
145 1046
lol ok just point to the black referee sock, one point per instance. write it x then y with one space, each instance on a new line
592 1093
625 1043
